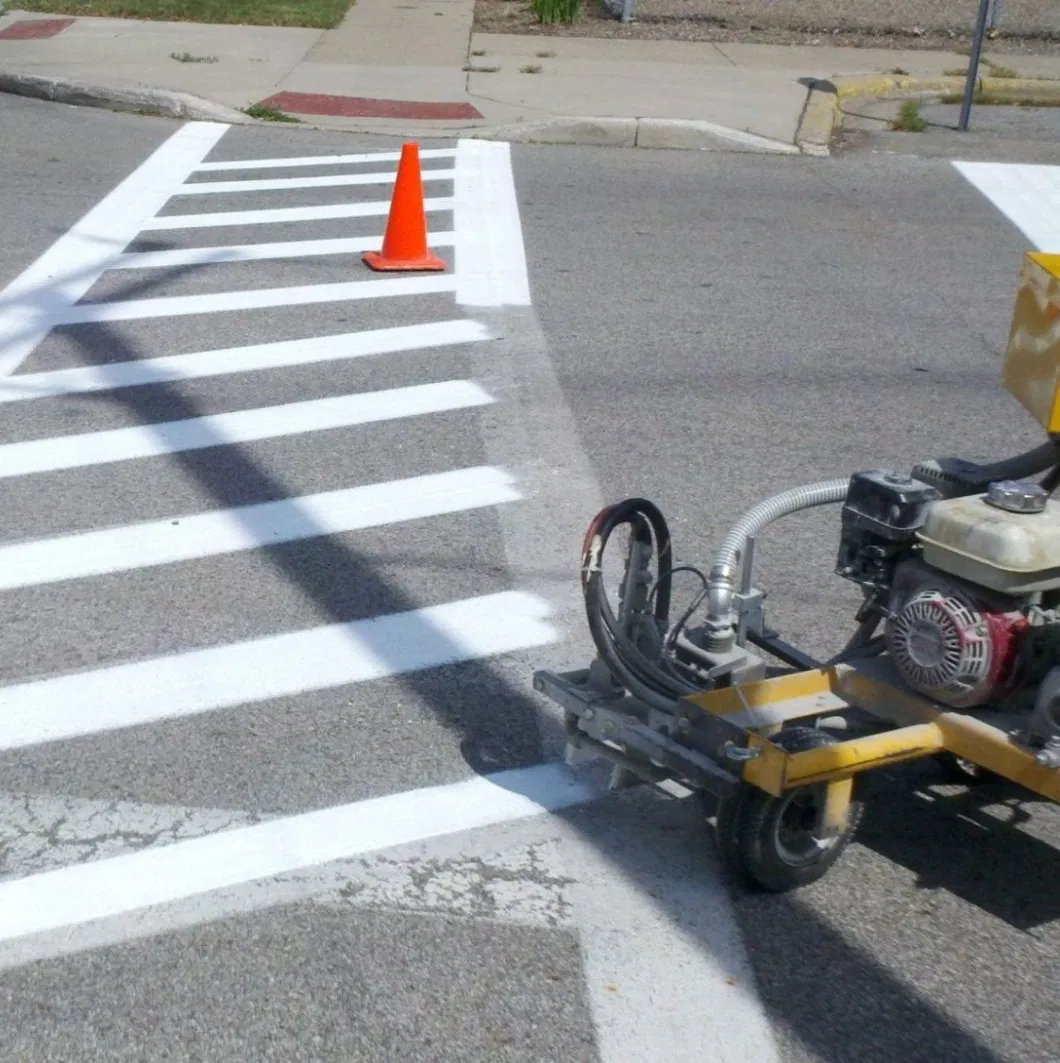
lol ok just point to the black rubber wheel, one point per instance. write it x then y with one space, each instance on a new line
768 841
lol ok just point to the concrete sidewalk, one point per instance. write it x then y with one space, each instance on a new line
416 69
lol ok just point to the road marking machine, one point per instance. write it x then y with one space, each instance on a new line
955 654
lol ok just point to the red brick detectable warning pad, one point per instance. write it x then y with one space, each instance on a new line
361 107
35 29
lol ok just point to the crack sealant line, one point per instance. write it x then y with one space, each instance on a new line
46 290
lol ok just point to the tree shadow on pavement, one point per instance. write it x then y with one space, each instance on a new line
967 843
498 728
815 985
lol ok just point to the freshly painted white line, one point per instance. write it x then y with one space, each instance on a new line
322 160
1029 196
253 299
205 256
187 537
224 429
77 259
667 976
71 896
284 215
239 359
280 184
276 666
490 258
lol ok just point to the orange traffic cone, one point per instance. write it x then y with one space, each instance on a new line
405 240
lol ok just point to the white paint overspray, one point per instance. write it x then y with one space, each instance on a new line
658 969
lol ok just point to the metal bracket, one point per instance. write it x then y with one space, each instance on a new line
615 728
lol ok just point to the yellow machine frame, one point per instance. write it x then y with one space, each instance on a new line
724 742
916 728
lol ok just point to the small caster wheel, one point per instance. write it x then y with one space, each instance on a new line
771 842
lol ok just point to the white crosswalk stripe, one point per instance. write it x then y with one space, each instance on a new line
1029 196
203 256
163 542
195 680
278 184
324 370
224 429
199 681
255 358
284 215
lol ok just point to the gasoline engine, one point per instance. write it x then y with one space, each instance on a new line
968 585
956 652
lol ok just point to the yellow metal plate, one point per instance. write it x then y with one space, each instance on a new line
1031 370
922 727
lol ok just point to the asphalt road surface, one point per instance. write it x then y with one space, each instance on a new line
279 551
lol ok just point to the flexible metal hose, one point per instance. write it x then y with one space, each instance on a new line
722 578
771 509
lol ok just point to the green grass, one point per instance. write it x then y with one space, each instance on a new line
269 114
909 120
322 14
988 69
550 11
999 99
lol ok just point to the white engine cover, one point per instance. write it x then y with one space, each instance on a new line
1013 553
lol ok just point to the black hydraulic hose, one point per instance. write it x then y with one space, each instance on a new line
631 668
649 528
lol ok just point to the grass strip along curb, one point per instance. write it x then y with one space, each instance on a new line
314 14
822 118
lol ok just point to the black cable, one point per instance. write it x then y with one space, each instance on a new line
642 677
1051 480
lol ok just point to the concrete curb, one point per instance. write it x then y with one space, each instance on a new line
144 101
823 116
658 133
678 134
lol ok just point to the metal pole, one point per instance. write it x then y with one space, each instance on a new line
973 64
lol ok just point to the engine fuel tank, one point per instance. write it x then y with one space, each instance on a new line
977 539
